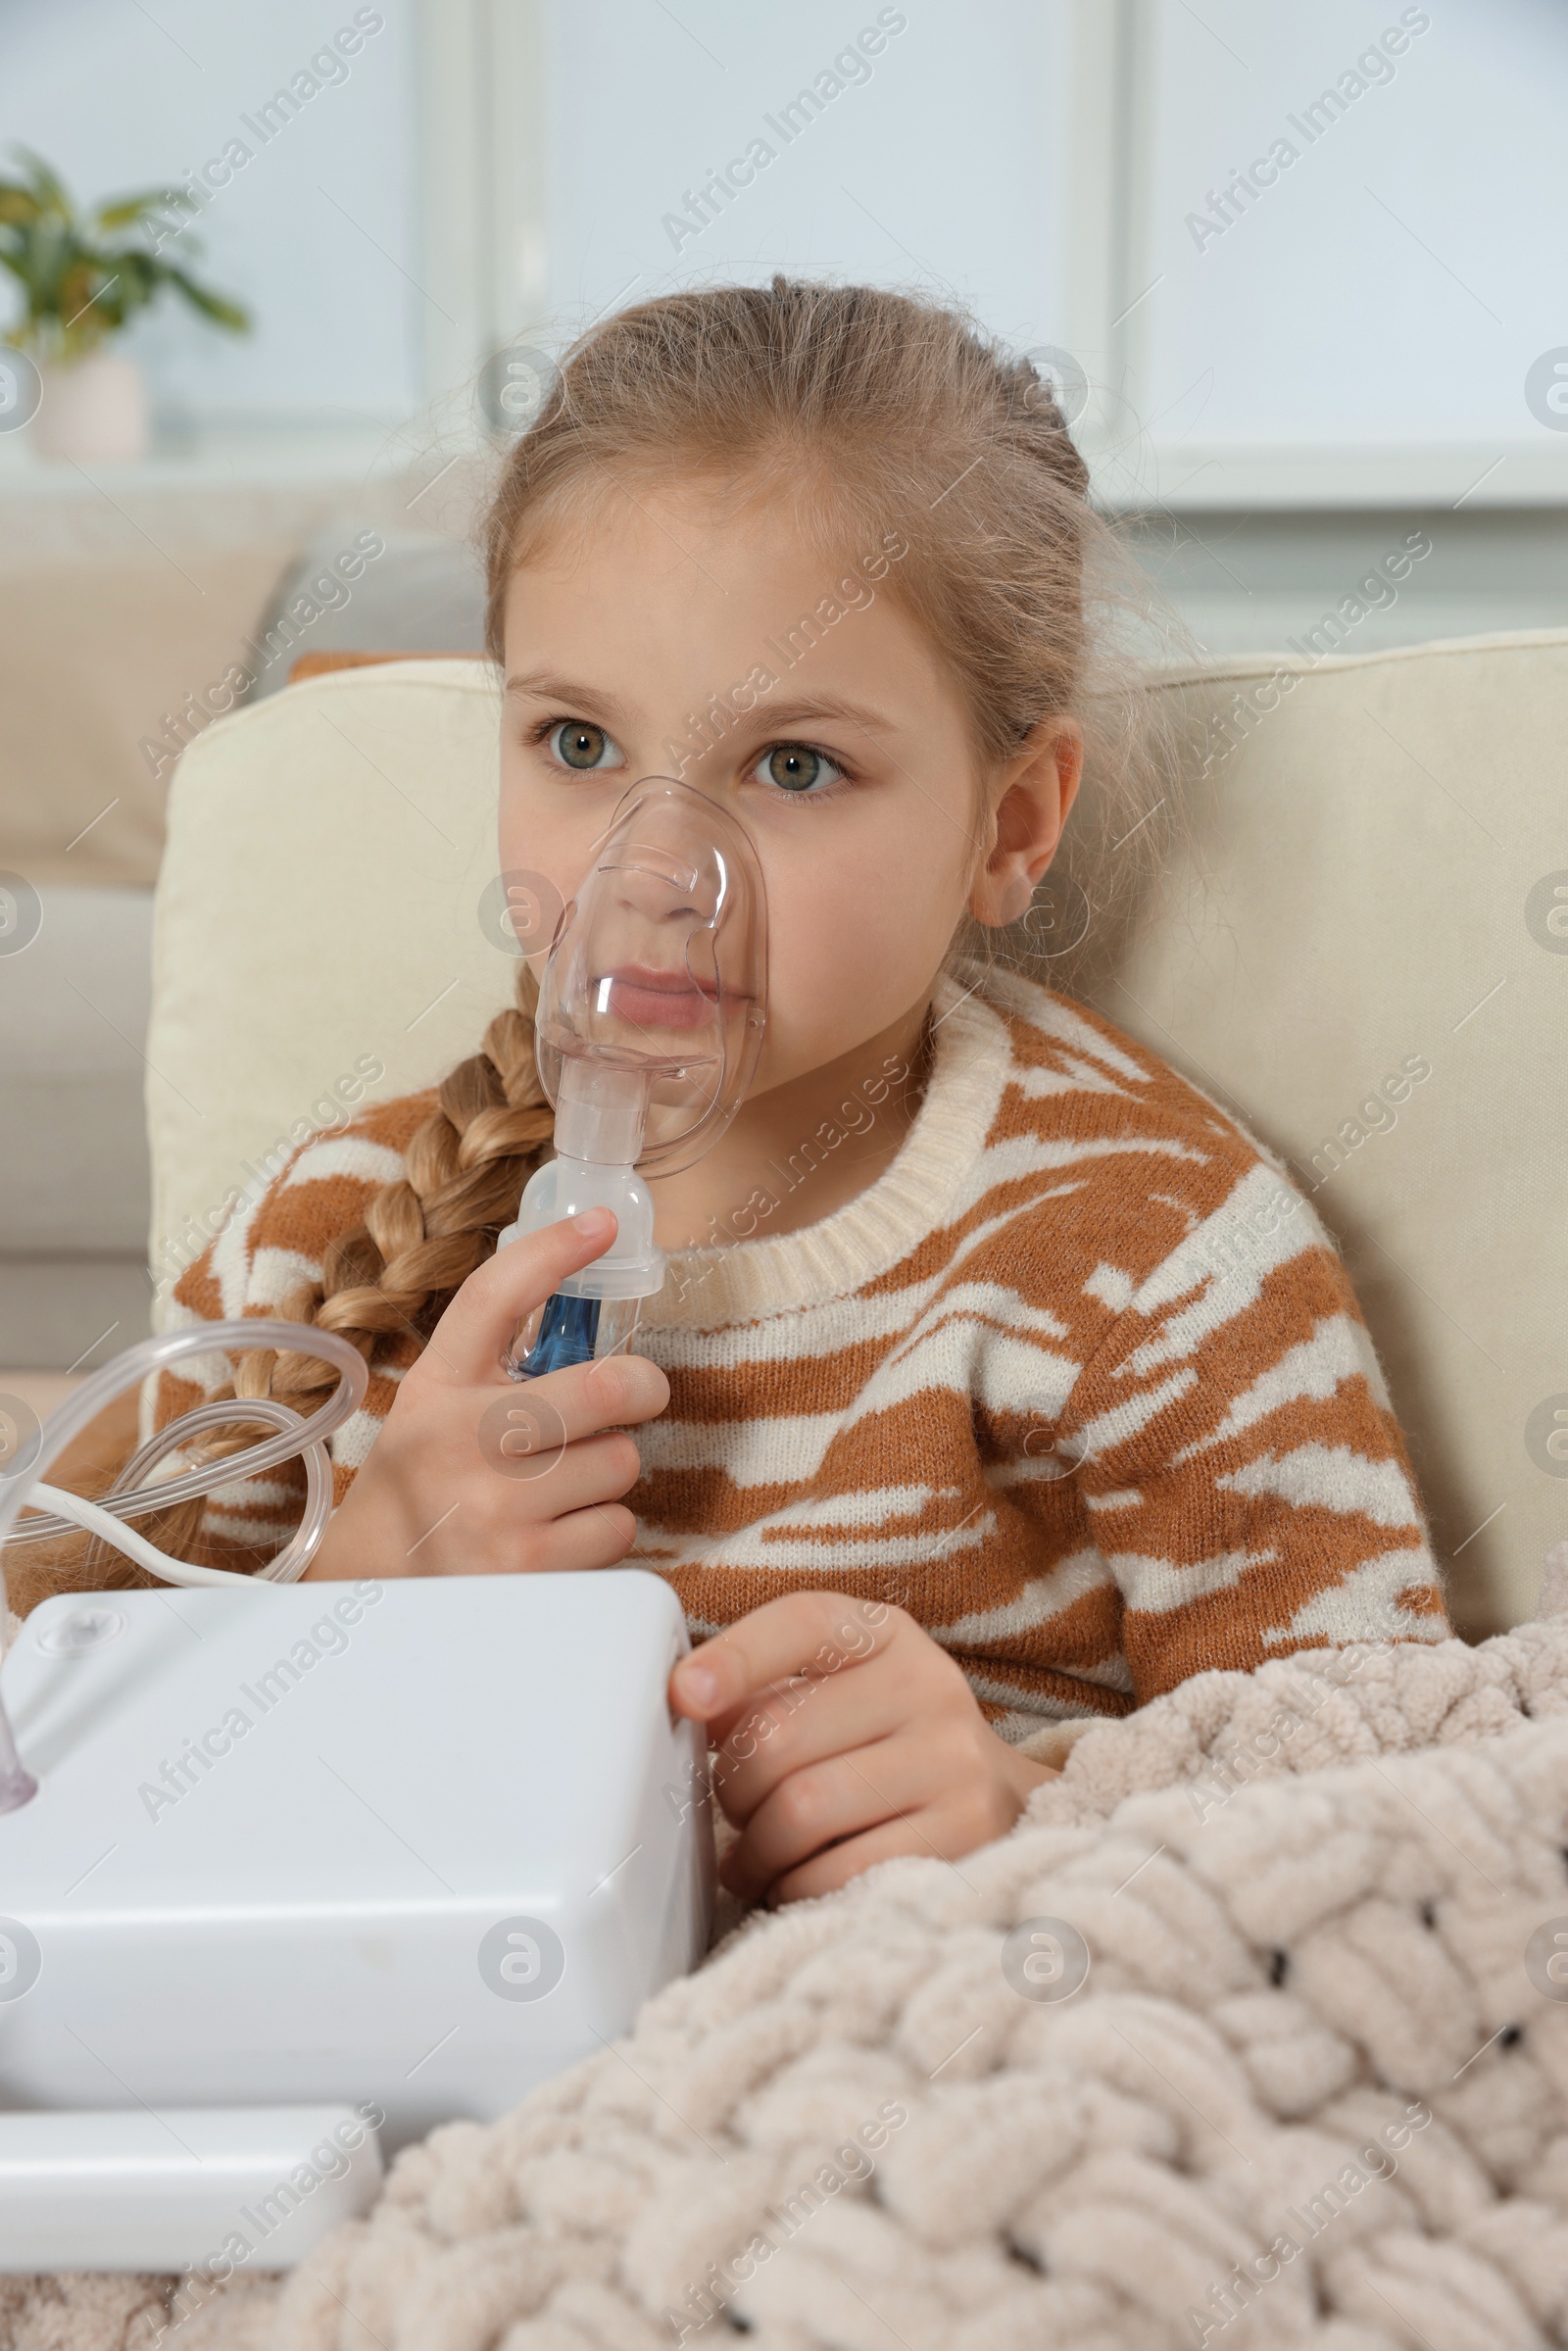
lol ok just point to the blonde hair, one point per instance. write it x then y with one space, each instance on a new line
868 411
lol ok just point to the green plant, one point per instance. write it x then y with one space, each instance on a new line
82 281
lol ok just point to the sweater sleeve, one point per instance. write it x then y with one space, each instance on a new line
266 1262
1243 1477
245 1523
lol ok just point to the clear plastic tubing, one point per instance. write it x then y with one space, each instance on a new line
296 1434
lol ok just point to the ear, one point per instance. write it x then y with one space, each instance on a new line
1037 788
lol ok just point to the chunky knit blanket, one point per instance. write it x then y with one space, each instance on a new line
1251 2032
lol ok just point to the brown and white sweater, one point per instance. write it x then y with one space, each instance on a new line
1080 1381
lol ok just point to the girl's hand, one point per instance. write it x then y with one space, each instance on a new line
845 1734
478 1474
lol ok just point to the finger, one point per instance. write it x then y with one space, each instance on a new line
801 1726
826 1872
472 1335
615 1391
597 1469
598 1536
816 1807
813 1633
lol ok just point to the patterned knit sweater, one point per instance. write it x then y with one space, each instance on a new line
1079 1380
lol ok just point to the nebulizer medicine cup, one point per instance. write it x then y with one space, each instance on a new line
649 1026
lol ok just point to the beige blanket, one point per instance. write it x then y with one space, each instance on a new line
1313 2089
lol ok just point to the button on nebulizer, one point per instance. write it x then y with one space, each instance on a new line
647 1036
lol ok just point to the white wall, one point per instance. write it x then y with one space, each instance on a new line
938 163
116 102
1389 291
1397 280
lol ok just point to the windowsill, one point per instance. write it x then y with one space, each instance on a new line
1195 477
228 456
1181 477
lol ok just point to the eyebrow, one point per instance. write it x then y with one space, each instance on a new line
806 707
548 686
766 714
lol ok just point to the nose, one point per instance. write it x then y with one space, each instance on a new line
647 907
659 886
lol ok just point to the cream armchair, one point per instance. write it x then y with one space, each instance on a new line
1362 951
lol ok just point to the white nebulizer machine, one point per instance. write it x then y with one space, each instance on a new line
290 1873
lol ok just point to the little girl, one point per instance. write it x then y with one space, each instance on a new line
1001 1382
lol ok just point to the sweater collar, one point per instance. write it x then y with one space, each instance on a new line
711 1289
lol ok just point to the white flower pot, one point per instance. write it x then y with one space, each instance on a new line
93 409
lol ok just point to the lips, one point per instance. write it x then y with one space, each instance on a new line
657 999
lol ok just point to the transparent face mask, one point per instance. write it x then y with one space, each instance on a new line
650 1022
653 1002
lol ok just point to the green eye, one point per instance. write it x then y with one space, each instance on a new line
797 767
577 745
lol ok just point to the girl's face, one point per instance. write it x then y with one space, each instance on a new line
675 635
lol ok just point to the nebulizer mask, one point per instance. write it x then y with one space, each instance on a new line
649 1026
289 1865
